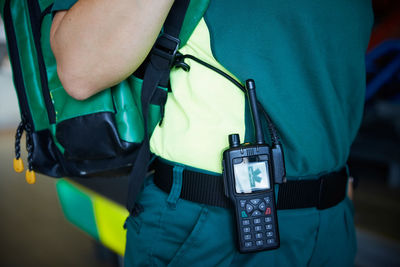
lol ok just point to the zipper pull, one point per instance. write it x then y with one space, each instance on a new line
18 164
30 176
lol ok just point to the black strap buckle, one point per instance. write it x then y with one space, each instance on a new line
166 47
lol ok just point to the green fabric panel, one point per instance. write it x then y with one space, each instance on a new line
44 3
30 69
63 4
193 15
77 207
49 59
67 107
28 57
132 104
51 70
128 110
309 70
53 130
128 105
336 233
136 88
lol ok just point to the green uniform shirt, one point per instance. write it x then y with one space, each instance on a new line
307 58
63 4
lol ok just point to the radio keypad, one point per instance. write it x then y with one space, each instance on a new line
257 219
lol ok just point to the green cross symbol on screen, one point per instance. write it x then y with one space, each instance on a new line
254 176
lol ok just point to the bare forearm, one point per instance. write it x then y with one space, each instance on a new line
98 43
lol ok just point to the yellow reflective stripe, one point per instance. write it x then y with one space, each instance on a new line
77 206
200 113
110 219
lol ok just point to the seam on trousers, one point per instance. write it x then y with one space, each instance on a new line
317 236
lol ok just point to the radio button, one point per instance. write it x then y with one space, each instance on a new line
256 213
268 211
248 244
249 208
258 228
246 222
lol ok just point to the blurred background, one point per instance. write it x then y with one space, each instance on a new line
37 228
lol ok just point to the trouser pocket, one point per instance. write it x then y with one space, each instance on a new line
161 232
185 234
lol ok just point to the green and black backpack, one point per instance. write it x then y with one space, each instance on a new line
105 135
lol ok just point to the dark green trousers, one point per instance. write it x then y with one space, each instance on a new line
175 232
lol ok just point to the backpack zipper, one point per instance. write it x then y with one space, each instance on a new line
16 64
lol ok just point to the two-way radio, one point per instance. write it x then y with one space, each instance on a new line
250 172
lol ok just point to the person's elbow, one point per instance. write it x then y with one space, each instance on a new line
70 65
77 88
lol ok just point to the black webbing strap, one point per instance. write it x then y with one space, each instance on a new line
197 187
322 193
156 74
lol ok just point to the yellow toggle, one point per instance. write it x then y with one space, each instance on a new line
30 177
18 165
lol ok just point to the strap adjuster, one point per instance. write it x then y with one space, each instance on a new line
166 47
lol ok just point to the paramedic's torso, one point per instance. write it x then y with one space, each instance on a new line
307 58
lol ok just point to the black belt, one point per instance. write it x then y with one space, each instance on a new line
322 193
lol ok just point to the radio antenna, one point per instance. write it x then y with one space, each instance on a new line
251 93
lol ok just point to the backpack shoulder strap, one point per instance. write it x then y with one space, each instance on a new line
156 74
